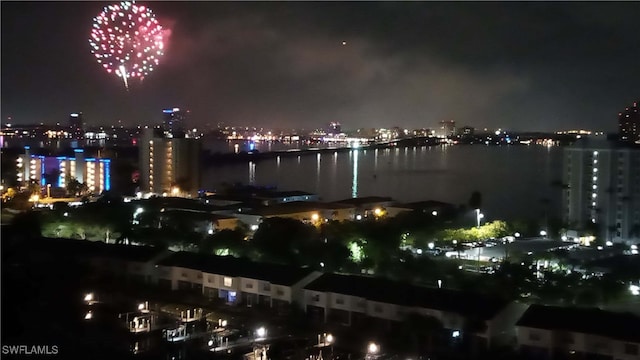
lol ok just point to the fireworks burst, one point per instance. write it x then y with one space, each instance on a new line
127 40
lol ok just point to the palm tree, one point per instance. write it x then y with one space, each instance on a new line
75 187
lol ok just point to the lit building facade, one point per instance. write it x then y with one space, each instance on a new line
93 172
169 164
447 128
602 189
29 168
629 124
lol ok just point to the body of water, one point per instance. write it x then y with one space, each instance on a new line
515 181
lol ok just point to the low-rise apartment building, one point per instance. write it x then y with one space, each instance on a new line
373 206
550 332
233 280
350 299
309 212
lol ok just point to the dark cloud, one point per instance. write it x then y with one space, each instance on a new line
536 66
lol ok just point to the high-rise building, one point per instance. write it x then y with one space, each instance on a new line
168 164
174 122
447 128
76 126
602 189
629 124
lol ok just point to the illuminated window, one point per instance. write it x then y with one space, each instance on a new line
227 281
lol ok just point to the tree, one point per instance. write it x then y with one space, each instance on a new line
75 188
285 240
225 242
34 188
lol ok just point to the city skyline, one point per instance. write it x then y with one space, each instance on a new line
535 66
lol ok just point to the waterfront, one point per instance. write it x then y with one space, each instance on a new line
515 181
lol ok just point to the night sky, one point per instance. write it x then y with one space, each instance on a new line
522 66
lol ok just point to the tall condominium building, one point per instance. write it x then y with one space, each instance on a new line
167 164
76 126
173 122
629 124
447 128
93 172
602 189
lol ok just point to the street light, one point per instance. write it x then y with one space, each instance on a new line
261 332
434 213
143 307
88 315
90 298
373 348
328 339
479 216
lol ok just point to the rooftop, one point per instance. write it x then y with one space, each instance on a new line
364 200
97 249
399 293
240 267
621 326
296 207
175 203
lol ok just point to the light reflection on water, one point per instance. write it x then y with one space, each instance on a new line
513 180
